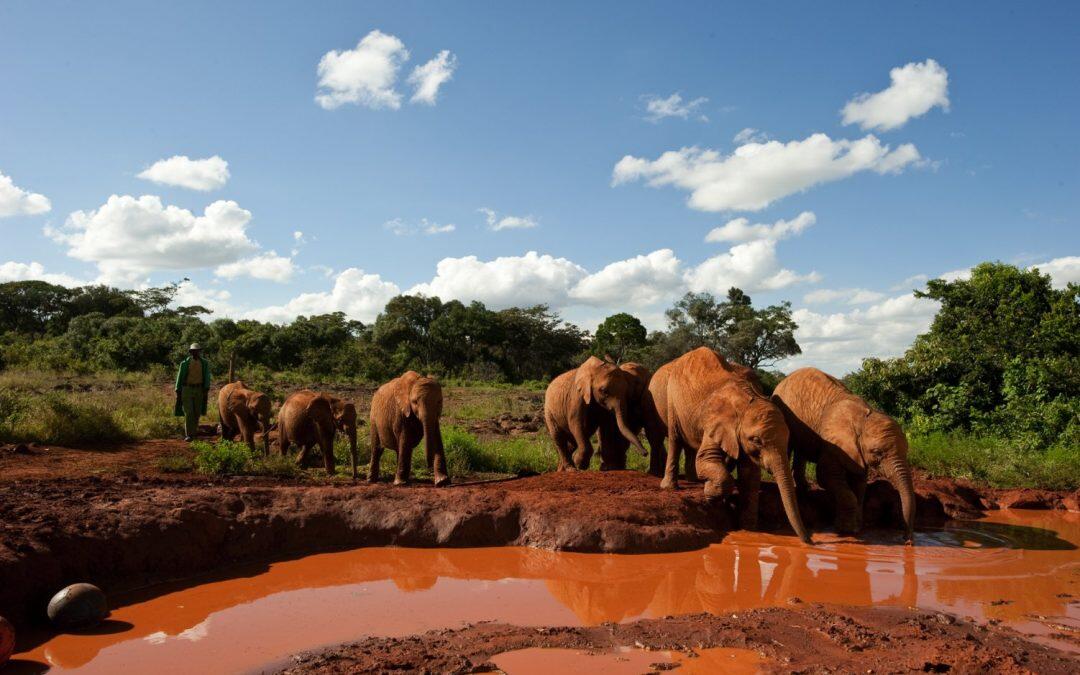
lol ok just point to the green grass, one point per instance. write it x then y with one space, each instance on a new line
176 463
232 458
996 462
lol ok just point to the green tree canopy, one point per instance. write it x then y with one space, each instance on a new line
619 336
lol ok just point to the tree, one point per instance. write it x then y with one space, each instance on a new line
619 336
756 338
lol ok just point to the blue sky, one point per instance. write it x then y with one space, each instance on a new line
542 102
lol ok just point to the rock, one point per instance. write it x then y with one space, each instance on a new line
7 640
78 606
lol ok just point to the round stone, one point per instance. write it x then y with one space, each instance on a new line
78 606
7 640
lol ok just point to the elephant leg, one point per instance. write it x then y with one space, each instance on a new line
583 456
798 470
833 477
564 446
858 486
283 441
227 432
671 467
657 454
749 492
404 461
691 465
612 452
247 432
376 455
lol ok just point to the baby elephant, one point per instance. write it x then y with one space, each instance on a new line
345 421
244 410
403 411
307 419
845 437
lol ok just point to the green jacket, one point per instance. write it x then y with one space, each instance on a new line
181 378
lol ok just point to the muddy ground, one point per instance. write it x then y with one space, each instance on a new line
803 639
109 516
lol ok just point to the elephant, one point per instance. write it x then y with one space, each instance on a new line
307 419
345 421
845 437
578 402
242 410
403 411
716 408
613 445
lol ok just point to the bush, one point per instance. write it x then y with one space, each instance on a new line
225 458
175 463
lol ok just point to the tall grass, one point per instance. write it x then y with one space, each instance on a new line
994 461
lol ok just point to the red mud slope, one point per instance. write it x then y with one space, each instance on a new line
804 639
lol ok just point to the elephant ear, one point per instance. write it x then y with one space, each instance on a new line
405 398
840 431
583 379
729 432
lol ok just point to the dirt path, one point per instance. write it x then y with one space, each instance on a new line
812 639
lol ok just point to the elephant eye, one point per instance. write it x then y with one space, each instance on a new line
603 391
756 440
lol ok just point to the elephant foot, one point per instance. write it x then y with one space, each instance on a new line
607 466
398 480
669 483
715 489
441 481
847 526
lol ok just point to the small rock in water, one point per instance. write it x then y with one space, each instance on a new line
7 640
78 606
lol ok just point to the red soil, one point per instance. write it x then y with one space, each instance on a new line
803 639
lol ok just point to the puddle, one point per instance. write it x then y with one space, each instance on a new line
1022 568
627 661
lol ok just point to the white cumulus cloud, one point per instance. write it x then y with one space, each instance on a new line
268 266
850 296
359 295
752 266
740 229
194 174
129 237
750 135
507 222
757 174
403 229
506 281
657 108
35 271
640 281
365 75
1062 271
427 79
15 201
915 89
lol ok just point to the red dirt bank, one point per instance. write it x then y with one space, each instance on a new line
808 639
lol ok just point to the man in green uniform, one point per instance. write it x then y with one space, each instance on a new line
192 389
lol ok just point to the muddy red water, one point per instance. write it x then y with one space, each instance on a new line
1020 568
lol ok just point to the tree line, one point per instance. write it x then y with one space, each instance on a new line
94 328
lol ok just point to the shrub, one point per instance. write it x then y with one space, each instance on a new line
225 458
175 463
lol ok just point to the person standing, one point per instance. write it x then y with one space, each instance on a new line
192 390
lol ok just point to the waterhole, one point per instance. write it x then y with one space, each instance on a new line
1020 568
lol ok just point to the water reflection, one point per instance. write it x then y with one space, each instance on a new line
1020 566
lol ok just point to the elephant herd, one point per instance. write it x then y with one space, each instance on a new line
403 411
699 406
715 413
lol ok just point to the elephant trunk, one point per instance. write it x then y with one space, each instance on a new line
786 485
899 474
620 420
434 451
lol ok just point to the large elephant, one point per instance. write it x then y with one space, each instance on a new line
577 403
403 411
244 411
307 419
613 445
715 408
845 437
345 421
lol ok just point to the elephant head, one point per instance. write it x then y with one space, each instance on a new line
422 397
345 421
870 439
609 387
742 422
258 406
